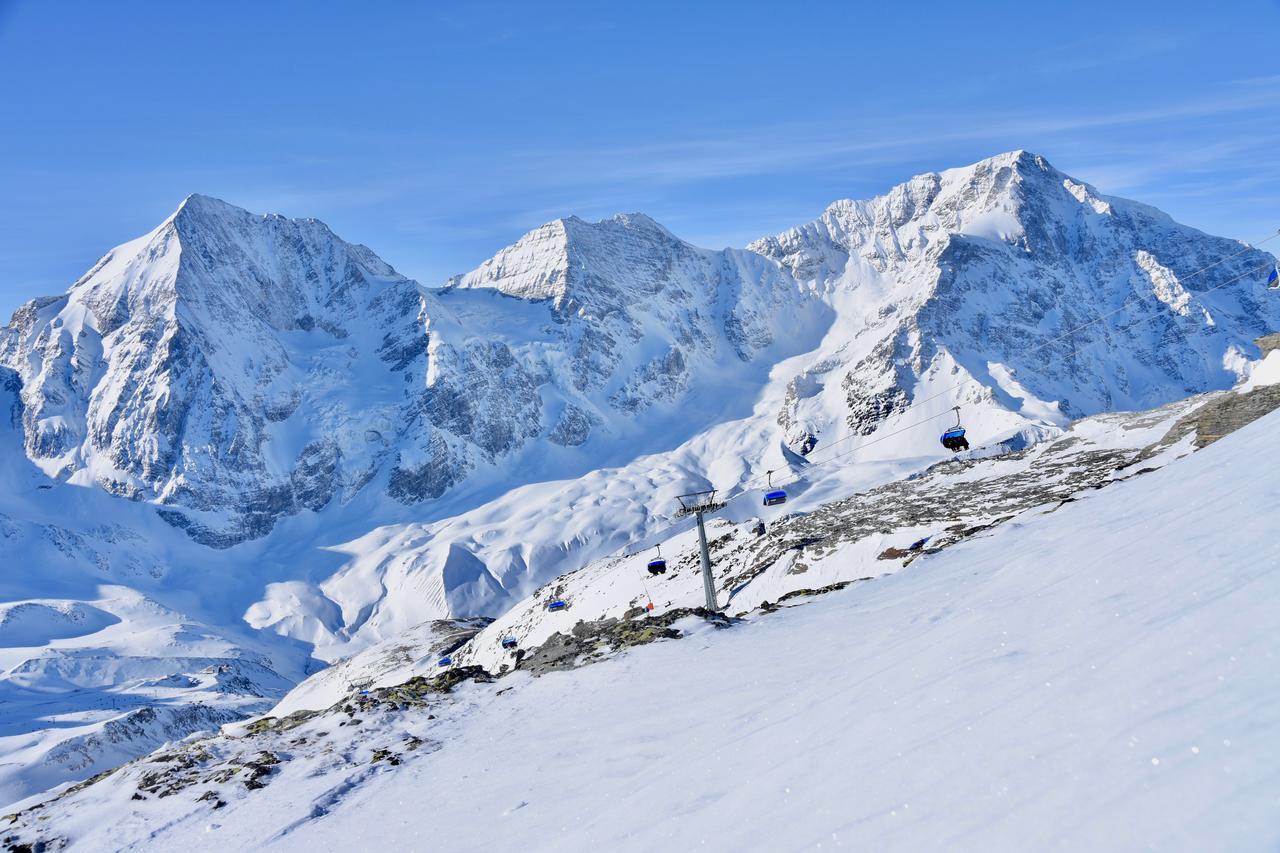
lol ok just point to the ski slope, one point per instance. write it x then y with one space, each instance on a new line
1102 676
241 448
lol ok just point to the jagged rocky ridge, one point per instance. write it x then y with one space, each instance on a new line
979 273
235 369
368 454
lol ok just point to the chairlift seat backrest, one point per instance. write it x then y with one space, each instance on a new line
658 566
778 496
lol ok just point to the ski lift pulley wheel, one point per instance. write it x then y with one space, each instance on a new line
953 439
773 497
657 566
699 502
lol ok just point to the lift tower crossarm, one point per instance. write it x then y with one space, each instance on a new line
699 504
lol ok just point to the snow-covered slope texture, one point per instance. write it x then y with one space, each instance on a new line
389 662
368 455
113 640
1098 677
975 276
814 544
238 368
834 531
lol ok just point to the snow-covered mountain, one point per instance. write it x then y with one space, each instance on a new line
235 369
113 639
209 366
976 276
1097 672
241 441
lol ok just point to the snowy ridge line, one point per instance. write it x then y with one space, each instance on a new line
747 486
751 484
361 454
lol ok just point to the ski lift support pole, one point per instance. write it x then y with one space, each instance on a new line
699 504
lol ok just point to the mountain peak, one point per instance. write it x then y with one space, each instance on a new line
209 252
637 222
546 262
202 200
198 204
996 198
1020 159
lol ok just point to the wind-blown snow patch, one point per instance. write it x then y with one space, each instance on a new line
34 623
1165 284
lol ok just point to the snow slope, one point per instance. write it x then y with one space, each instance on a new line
242 441
924 309
107 650
1098 677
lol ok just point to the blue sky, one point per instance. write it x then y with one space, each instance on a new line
437 133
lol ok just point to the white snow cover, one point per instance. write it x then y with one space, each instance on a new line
319 454
1099 677
1265 372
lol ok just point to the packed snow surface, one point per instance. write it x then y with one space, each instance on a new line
1102 676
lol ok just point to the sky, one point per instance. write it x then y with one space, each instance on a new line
437 133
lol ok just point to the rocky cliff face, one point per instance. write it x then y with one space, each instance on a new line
442 453
208 367
978 276
236 369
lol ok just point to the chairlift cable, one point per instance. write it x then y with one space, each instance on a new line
916 404
748 485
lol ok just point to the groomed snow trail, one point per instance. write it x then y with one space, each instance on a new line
1102 677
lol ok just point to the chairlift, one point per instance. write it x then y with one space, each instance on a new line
558 604
953 439
509 642
658 566
773 496
1273 280
445 661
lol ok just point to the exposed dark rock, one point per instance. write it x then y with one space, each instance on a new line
799 593
573 428
589 641
1221 414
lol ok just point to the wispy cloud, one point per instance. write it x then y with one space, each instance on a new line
1182 150
1102 50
